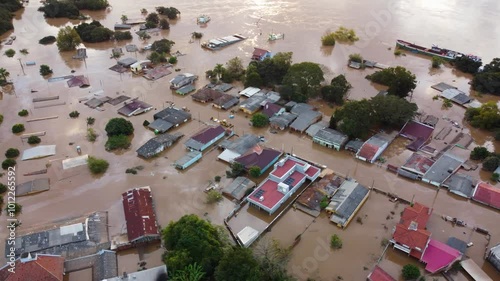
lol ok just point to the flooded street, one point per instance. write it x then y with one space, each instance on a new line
460 25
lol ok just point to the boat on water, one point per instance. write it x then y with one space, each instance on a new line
276 36
218 43
203 19
435 51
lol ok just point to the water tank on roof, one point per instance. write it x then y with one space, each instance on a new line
261 198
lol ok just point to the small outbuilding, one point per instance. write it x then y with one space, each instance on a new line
238 188
330 138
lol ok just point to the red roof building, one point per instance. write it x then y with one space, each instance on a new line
140 215
439 256
260 54
487 194
410 235
371 149
39 268
271 109
378 274
261 157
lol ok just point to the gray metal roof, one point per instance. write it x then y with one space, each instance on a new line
461 184
173 115
253 102
160 125
300 108
127 61
347 199
457 244
443 168
283 120
194 144
238 187
166 140
354 145
305 119
150 274
224 87
242 144
314 128
187 158
494 256
331 136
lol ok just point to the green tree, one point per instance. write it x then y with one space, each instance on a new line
337 91
74 114
10 53
273 259
324 202
153 17
335 242
343 34
192 272
272 70
219 70
23 113
328 39
497 134
67 39
164 24
97 165
479 153
124 18
1 118
355 118
238 264
393 111
18 128
171 12
235 69
91 135
437 62
4 74
252 77
410 272
90 121
122 35
487 117
91 4
259 120
8 163
45 70
192 240
487 82
162 46
236 170
495 177
254 171
14 208
491 163
400 80
47 40
213 196
356 58
156 57
466 64
117 142
3 189
119 126
304 79
34 140
12 153
172 60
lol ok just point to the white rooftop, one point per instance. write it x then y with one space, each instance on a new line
248 235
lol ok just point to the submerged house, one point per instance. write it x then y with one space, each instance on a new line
373 148
260 157
442 169
182 80
330 138
286 178
250 91
34 267
253 103
168 118
206 95
238 147
282 121
225 101
260 54
306 117
346 202
419 133
205 138
416 166
494 256
187 160
134 107
157 144
487 194
271 109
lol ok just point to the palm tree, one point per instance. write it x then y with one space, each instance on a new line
219 70
192 272
4 74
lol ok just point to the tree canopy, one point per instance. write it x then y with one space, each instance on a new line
192 240
238 264
399 80
392 111
119 126
303 81
162 46
486 117
170 12
67 39
271 70
410 272
259 120
7 7
488 80
337 91
93 32
466 64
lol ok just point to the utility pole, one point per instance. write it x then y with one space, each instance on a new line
22 67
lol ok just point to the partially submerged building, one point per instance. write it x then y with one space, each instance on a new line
378 274
39 152
253 103
127 62
416 166
442 169
34 267
354 145
487 194
260 54
494 256
456 96
316 127
225 101
157 144
134 107
419 133
346 202
205 138
150 274
182 80
238 188
461 185
140 217
187 160
250 91
271 109
306 117
325 188
282 121
330 138
32 187
260 157
206 95
373 147
286 178
168 118
238 147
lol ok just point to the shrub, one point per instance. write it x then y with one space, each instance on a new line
34 140
323 203
18 128
10 53
17 208
479 153
328 39
384 242
1 118
91 135
259 120
23 113
123 35
495 177
3 188
24 51
345 35
119 126
12 153
47 40
254 171
74 114
335 242
447 104
117 142
196 35
145 123
356 58
491 163
437 62
213 196
398 52
45 70
410 272
131 171
90 121
164 24
497 134
96 165
217 178
172 60
8 163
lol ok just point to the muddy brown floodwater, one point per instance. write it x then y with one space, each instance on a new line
464 26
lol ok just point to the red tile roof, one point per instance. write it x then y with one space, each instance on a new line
368 151
414 130
269 190
412 238
378 274
139 213
487 194
258 157
258 53
418 213
438 256
208 134
40 268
